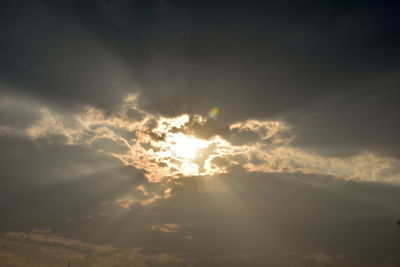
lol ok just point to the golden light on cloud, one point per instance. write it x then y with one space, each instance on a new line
180 150
167 148
180 154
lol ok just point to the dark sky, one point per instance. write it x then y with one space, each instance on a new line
199 133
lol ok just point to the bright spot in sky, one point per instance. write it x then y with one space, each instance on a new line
186 147
213 113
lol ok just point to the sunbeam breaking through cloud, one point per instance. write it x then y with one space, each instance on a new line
199 133
167 148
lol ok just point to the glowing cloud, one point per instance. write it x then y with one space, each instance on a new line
167 148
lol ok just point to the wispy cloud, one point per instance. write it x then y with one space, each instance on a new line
150 142
321 258
166 227
46 248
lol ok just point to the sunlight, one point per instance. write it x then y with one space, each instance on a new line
186 147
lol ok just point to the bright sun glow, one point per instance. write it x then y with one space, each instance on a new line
186 147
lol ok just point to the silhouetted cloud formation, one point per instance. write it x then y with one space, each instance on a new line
199 133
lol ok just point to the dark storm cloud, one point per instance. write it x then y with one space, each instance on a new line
329 70
51 55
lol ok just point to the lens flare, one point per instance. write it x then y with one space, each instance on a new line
213 113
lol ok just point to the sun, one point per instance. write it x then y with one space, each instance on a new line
186 147
178 154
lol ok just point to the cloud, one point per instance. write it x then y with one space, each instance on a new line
300 98
43 247
272 132
127 201
46 248
166 148
322 258
166 227
151 143
363 167
50 125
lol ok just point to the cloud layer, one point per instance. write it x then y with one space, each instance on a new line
151 143
199 133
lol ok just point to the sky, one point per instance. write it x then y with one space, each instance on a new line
199 133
